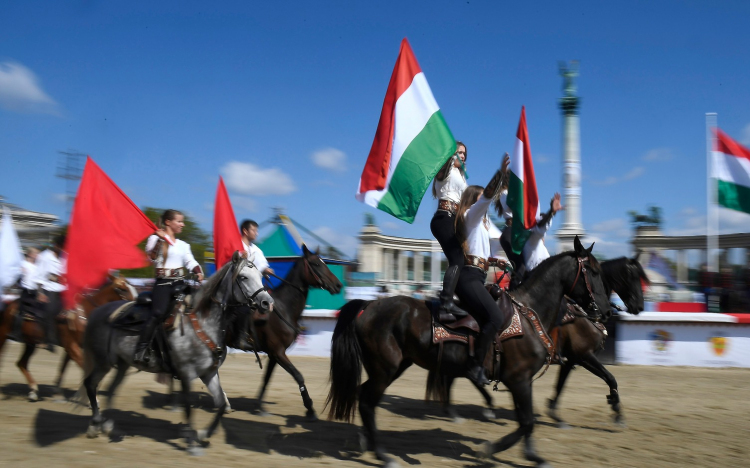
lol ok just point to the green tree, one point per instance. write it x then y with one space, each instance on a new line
199 241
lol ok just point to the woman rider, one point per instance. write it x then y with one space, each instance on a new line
472 232
449 184
171 257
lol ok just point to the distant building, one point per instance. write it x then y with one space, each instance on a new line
33 228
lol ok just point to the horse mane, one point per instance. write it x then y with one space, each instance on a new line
209 287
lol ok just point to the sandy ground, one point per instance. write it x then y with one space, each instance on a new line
675 417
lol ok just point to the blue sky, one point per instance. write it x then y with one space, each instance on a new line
283 99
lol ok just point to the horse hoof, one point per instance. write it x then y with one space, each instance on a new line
544 465
93 431
458 420
488 414
263 413
195 451
33 396
202 437
563 425
107 427
391 464
362 442
228 410
311 416
487 450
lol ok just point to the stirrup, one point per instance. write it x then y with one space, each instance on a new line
141 356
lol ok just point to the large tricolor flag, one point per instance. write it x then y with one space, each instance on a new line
732 173
412 142
523 198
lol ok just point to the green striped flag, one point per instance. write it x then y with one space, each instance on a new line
523 198
411 143
732 173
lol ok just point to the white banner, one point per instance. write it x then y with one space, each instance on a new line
683 344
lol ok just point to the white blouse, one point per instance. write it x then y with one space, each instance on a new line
478 228
178 255
49 266
452 187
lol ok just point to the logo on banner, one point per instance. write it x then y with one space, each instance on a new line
719 344
661 340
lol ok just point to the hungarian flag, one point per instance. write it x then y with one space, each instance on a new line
523 198
227 238
411 143
732 173
104 231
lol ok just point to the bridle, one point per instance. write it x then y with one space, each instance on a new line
248 298
582 269
308 271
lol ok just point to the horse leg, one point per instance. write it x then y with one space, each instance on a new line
23 366
522 398
187 431
370 394
447 407
270 365
91 383
58 381
592 364
287 365
213 384
122 369
489 412
562 377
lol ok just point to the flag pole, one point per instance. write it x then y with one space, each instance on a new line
712 213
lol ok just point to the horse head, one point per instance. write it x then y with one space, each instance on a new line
118 288
317 273
247 283
588 282
636 280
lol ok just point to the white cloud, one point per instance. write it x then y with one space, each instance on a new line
616 227
634 173
391 225
343 242
330 158
20 91
658 154
249 179
693 224
745 137
609 249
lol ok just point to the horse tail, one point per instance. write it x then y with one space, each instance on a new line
346 363
437 387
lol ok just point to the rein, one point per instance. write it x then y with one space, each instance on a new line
582 268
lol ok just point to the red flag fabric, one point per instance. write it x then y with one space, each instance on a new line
227 238
104 231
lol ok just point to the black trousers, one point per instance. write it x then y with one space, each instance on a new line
477 300
161 296
51 308
444 230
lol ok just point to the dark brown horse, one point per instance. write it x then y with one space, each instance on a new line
579 340
70 329
389 335
282 327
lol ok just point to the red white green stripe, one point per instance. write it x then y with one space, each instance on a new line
732 173
411 143
523 198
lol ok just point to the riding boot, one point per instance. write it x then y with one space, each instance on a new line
476 370
448 309
141 349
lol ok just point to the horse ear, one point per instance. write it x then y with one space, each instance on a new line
577 245
305 250
637 254
588 251
236 256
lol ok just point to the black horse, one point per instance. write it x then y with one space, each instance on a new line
579 340
389 335
282 327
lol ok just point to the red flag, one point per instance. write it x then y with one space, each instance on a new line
104 231
227 238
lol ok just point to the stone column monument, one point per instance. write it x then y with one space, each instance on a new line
571 224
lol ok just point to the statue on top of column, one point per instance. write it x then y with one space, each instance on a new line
569 73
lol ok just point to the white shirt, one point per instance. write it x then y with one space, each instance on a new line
28 272
534 251
178 255
477 228
260 260
48 265
452 187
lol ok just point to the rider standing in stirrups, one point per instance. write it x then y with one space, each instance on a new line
50 280
171 257
449 184
473 234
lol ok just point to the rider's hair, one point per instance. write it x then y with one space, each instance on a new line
247 224
168 215
468 198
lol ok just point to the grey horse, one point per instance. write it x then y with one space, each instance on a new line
196 348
